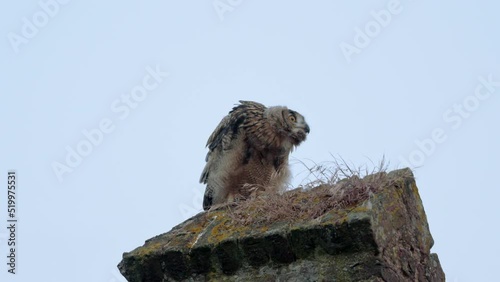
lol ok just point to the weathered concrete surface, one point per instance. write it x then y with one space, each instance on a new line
383 238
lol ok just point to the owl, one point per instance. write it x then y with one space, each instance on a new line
248 152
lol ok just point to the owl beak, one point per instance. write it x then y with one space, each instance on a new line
307 129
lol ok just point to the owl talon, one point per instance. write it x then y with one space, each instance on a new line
253 190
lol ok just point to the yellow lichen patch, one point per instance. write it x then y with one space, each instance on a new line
196 231
360 209
225 229
220 231
148 249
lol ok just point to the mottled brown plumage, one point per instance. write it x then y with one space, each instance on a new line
248 151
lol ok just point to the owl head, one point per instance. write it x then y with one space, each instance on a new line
289 124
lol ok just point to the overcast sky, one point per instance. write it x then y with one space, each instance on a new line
107 105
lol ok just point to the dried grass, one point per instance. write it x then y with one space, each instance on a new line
331 186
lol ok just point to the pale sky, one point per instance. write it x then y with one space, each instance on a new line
107 106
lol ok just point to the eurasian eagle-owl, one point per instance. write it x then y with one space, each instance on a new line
248 151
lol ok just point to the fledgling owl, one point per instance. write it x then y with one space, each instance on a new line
248 151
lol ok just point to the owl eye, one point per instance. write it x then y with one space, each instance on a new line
292 118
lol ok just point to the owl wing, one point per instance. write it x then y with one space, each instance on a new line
223 138
228 130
